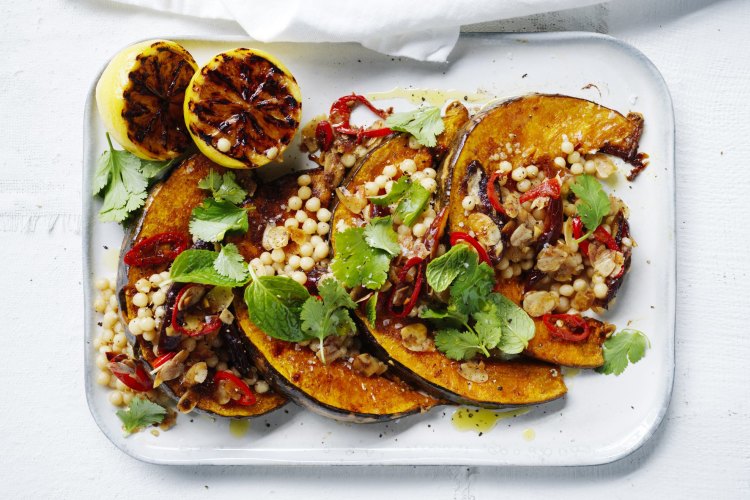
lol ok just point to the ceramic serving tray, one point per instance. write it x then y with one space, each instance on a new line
602 418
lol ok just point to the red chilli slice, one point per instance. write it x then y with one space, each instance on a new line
149 252
574 328
248 398
458 236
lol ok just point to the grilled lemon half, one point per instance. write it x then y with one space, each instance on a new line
243 108
140 98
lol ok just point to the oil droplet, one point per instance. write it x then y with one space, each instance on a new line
480 419
529 434
238 428
433 97
570 372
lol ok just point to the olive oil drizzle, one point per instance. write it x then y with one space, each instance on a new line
481 420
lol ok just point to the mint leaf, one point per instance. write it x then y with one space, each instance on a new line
458 345
397 190
424 124
626 345
412 203
213 219
231 264
274 304
223 187
593 204
199 266
379 233
443 270
358 264
140 413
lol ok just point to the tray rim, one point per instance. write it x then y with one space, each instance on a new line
652 424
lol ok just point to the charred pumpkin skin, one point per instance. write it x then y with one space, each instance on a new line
536 123
168 208
511 383
546 347
333 390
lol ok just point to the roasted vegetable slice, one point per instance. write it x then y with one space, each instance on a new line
552 134
406 343
168 210
493 383
547 347
528 130
334 389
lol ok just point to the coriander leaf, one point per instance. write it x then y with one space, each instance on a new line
444 269
489 327
413 203
274 304
329 315
457 344
358 264
470 289
449 316
626 345
372 308
211 182
334 295
517 326
199 266
397 190
223 187
123 179
379 233
593 203
103 169
212 220
141 413
153 169
424 124
231 264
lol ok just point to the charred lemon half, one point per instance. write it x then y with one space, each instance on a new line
140 98
243 108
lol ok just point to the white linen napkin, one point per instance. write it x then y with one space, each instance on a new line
422 30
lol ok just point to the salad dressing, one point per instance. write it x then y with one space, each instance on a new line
481 419
433 97
239 428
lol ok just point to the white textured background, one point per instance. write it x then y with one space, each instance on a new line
49 444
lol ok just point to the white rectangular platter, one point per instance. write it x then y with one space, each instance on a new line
602 418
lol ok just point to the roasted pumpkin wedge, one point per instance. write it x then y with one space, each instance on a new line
334 389
168 210
545 346
516 172
494 382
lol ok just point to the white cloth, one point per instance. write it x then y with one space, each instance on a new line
424 30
